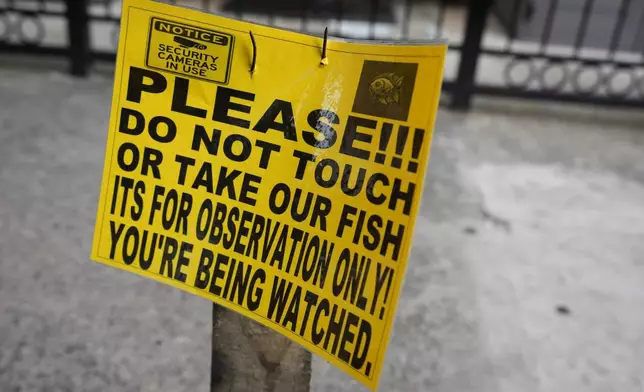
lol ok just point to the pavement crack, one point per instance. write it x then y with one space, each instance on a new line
496 220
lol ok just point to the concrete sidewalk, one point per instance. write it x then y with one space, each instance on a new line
526 274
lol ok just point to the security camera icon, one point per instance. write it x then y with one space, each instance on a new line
188 43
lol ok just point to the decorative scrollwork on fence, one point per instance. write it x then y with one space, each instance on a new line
22 28
586 72
552 76
615 80
42 26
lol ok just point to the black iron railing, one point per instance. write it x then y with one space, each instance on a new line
581 51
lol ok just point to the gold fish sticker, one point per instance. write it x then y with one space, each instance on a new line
385 88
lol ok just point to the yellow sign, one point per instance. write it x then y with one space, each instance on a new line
288 194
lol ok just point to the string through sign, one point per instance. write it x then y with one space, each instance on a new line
325 60
253 62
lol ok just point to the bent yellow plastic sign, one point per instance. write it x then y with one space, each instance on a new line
288 194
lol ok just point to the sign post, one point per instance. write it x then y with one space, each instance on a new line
246 356
276 174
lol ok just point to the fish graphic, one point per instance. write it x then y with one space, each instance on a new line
385 88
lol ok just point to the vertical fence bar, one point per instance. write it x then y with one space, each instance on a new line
619 27
340 15
239 12
583 26
470 52
78 36
639 33
406 22
107 4
373 18
272 17
514 25
546 33
440 18
304 17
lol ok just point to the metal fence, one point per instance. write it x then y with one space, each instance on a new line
566 50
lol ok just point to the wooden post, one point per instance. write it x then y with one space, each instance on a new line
247 356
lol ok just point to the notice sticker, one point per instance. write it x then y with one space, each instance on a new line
190 50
